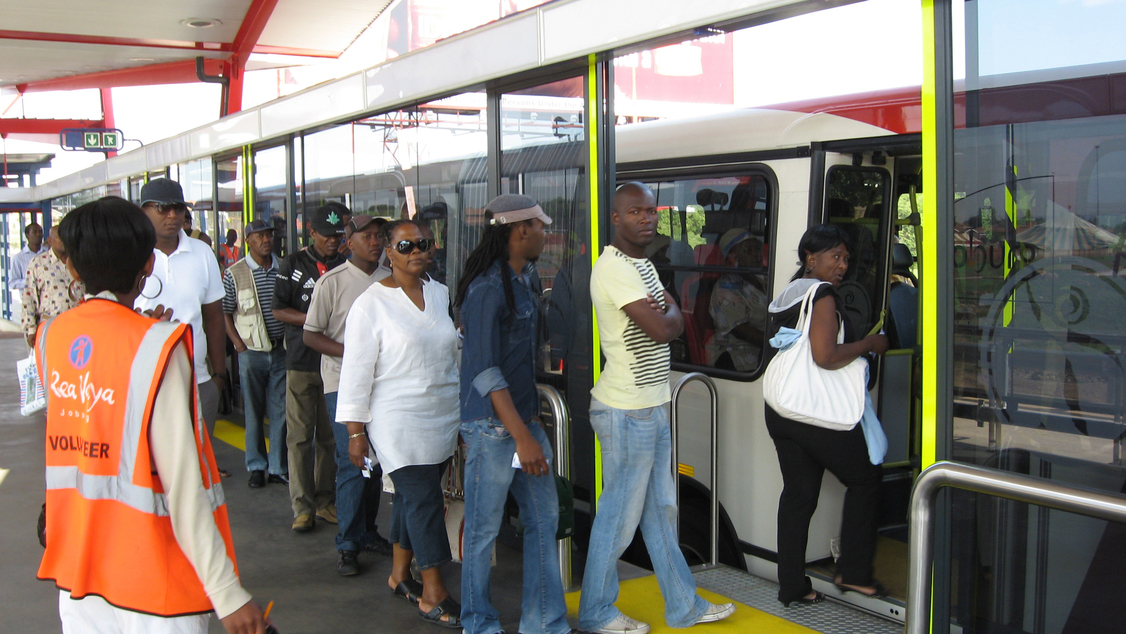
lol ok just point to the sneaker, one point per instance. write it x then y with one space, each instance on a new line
328 514
303 523
346 563
623 625
716 613
379 546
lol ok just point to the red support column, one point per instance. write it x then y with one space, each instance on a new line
107 113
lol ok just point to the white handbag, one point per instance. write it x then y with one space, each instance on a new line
800 390
32 397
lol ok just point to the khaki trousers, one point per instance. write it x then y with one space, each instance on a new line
312 463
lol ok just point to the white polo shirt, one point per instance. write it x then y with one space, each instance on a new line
189 278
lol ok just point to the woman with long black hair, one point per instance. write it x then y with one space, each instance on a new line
805 451
499 295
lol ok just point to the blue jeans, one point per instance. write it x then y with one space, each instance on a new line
637 486
418 514
357 497
488 478
262 375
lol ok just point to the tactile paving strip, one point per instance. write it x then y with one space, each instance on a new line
827 617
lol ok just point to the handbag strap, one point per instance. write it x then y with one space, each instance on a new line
806 314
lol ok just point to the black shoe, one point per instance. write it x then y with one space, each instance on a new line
278 478
346 563
257 479
379 546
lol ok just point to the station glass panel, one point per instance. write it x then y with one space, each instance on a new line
196 179
1039 342
271 193
544 156
229 198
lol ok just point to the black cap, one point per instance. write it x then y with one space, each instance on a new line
163 191
257 226
327 221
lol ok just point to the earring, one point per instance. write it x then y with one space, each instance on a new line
76 291
142 282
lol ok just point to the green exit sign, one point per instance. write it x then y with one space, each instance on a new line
91 139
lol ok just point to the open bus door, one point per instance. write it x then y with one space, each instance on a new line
870 189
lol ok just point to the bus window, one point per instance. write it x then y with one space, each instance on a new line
855 200
711 253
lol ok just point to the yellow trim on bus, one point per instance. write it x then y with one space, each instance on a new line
928 251
595 240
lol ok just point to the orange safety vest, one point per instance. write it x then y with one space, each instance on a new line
108 528
230 256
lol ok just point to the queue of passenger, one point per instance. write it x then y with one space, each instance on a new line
354 365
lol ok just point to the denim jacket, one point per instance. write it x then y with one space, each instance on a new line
500 347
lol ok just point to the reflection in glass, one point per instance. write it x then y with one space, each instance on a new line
229 206
1040 343
271 197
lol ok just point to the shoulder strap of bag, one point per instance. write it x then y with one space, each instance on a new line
806 314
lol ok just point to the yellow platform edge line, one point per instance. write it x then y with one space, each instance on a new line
232 434
641 599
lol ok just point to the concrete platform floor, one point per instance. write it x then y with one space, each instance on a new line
296 571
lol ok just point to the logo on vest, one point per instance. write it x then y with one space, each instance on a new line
80 351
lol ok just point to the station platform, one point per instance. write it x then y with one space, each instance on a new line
298 571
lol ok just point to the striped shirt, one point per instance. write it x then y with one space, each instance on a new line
636 375
264 285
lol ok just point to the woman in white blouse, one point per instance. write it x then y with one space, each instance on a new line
399 393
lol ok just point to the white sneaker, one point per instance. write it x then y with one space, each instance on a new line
625 625
716 613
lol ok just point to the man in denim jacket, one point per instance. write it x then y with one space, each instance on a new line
500 315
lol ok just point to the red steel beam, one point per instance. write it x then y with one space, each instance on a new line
45 126
257 16
150 75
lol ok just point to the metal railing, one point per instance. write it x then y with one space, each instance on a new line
920 545
562 422
674 429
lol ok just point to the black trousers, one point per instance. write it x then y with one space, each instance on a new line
804 452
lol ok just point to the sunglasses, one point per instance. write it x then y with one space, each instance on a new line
165 208
406 246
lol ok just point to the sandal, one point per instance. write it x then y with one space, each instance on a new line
449 608
878 589
409 589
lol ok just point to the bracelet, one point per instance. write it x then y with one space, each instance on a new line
363 433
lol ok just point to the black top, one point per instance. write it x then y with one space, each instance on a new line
789 317
293 288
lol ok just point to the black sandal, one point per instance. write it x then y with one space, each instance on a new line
409 589
818 597
449 608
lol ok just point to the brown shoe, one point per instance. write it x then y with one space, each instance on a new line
328 514
303 523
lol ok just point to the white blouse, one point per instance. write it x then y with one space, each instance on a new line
399 375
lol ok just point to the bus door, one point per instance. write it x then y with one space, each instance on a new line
867 192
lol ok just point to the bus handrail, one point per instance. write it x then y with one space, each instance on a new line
1011 486
562 420
674 430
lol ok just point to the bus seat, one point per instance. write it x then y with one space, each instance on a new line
901 261
903 316
696 297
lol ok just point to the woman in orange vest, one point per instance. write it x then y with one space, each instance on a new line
137 533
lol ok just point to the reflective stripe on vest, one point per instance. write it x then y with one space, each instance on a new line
120 487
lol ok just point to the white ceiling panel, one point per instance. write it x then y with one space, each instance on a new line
126 18
22 61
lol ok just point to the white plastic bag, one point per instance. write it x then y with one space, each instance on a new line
32 397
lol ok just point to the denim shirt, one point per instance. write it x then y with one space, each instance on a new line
500 348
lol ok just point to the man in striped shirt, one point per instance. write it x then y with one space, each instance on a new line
257 338
629 412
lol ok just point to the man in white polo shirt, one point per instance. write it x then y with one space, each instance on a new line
185 278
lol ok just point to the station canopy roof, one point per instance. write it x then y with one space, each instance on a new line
74 44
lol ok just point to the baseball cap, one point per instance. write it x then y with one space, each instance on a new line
327 221
732 238
257 226
508 208
357 223
163 191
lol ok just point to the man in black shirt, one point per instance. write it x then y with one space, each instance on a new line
312 467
